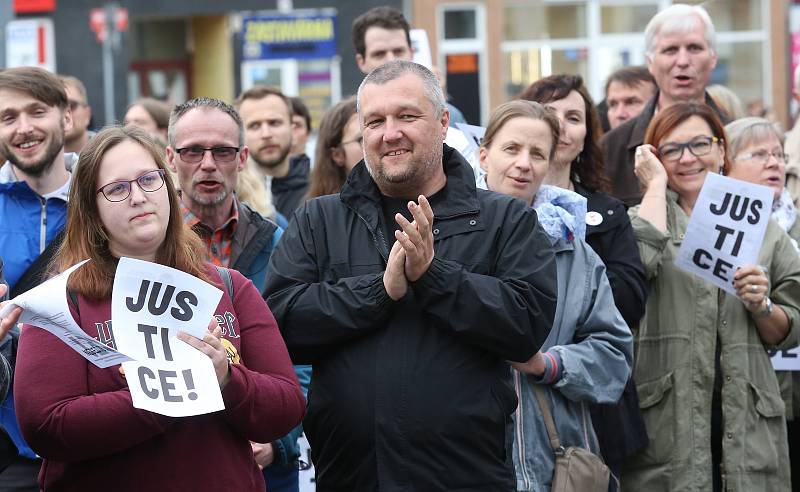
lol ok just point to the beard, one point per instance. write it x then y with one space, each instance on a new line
208 201
410 181
38 168
274 162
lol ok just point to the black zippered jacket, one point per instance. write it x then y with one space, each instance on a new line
415 394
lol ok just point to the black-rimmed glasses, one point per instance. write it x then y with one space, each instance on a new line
195 154
118 191
698 146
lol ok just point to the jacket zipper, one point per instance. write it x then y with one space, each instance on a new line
374 237
518 431
43 226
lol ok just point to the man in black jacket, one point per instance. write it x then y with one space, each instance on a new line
267 116
408 292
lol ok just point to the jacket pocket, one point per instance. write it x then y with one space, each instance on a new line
657 402
765 435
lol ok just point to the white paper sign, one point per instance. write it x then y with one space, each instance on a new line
149 305
420 47
786 360
474 134
306 474
45 306
726 229
456 139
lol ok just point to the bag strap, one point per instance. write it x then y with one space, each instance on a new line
73 297
549 423
225 274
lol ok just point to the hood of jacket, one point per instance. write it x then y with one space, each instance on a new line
299 168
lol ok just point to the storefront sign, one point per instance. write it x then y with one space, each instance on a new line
289 36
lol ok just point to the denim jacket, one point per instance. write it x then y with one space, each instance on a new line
588 352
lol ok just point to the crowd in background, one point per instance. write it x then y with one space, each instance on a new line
426 329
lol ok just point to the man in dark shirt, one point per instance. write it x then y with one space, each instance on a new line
408 292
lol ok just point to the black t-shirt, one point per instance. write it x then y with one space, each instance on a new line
391 206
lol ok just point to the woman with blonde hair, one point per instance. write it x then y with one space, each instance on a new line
756 148
587 355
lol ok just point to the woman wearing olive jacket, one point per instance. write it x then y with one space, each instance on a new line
708 393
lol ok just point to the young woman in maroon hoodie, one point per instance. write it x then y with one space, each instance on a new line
79 417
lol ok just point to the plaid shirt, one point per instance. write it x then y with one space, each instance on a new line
219 242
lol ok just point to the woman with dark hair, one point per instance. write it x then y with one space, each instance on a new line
710 397
338 149
578 166
79 417
587 355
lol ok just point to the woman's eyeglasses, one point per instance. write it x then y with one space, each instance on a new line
762 156
118 191
698 146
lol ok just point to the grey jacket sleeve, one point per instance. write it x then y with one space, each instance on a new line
598 362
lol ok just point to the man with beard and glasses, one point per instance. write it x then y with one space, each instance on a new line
408 292
267 116
206 149
34 185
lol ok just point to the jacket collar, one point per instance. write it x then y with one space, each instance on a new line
9 177
644 118
459 195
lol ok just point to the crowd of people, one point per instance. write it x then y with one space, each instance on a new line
524 330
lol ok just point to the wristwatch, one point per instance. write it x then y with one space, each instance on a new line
764 312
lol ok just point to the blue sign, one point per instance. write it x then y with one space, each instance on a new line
288 36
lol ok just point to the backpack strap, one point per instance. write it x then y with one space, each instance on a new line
225 275
73 298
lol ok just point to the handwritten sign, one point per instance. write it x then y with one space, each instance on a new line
421 48
785 360
45 306
726 229
149 305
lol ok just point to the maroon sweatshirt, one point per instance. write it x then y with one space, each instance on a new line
80 418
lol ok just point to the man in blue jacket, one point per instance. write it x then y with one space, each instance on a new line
207 151
34 184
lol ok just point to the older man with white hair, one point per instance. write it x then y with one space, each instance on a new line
681 56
